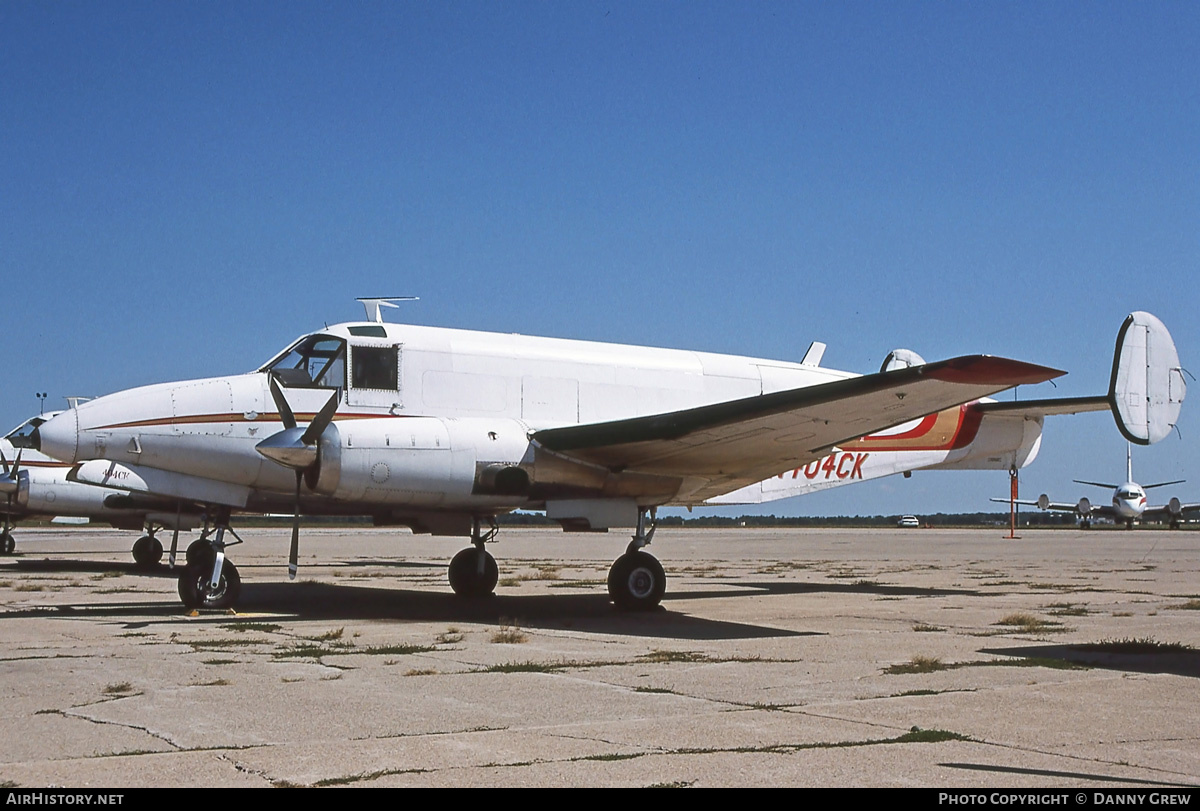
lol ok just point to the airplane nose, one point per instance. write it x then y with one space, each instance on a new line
59 436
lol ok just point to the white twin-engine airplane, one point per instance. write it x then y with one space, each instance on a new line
442 429
1129 503
35 485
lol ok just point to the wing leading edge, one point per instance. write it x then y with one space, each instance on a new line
727 445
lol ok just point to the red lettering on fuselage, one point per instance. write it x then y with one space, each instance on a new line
834 465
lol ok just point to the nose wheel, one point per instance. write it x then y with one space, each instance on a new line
211 582
196 589
7 544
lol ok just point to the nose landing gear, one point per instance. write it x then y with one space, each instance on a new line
211 582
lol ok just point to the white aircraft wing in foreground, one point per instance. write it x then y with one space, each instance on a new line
441 430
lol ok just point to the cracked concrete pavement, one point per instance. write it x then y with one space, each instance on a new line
779 657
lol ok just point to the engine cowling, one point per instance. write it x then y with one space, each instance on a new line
901 359
423 461
1084 507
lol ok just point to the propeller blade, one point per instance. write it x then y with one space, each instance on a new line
9 482
294 554
321 421
281 405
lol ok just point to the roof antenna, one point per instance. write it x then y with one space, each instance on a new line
373 305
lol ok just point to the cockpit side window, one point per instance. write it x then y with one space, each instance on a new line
315 361
374 367
22 435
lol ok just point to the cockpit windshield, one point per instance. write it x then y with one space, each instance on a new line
22 435
314 361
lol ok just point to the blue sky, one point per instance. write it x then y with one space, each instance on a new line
187 186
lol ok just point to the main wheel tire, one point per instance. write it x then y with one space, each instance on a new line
7 544
637 582
196 591
147 551
465 577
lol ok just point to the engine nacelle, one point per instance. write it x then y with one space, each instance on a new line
1084 507
901 359
1043 502
1174 507
423 461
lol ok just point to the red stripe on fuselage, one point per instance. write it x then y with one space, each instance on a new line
200 419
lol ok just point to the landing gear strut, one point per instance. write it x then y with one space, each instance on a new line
212 582
636 581
473 571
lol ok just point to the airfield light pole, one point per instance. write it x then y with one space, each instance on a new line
41 395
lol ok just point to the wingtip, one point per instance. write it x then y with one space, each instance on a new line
988 369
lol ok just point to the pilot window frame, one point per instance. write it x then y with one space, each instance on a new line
18 439
374 367
323 354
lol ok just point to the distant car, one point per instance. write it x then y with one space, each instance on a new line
908 521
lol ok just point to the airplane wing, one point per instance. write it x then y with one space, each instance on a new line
1169 512
1044 505
724 446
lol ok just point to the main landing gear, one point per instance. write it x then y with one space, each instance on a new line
473 571
210 581
636 581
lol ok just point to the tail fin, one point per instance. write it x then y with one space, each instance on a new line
1147 387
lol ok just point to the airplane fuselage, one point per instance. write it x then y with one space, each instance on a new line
436 420
1129 501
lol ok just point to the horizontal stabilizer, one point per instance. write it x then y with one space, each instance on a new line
1043 408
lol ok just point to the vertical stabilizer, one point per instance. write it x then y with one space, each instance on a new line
1147 387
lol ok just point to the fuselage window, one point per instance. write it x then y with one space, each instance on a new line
317 360
374 367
